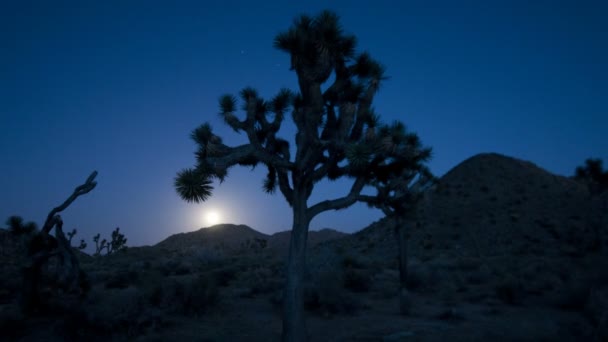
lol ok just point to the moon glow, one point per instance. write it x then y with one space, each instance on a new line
212 217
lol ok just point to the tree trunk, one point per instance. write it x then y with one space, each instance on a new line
404 298
69 273
294 322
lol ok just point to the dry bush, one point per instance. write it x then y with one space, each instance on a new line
385 284
122 312
260 280
509 290
422 277
357 280
193 295
224 275
325 295
351 261
121 279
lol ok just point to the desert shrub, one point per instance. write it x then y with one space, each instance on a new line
350 261
597 311
509 290
206 256
573 295
260 280
224 275
121 279
175 267
479 276
192 296
414 279
385 284
123 312
326 295
357 280
421 277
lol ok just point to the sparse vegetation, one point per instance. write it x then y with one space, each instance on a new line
326 296
550 272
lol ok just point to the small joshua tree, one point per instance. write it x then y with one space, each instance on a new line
594 174
117 243
71 235
338 136
398 194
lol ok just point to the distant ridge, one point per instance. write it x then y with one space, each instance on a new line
228 236
231 237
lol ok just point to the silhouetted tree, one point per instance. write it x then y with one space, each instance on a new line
117 243
71 235
398 194
594 174
338 136
43 246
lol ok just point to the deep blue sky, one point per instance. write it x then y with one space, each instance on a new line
117 86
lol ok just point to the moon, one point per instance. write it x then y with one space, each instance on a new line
212 217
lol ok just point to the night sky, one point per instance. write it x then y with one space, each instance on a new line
117 87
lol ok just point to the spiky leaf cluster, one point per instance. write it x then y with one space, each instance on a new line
261 123
316 45
193 186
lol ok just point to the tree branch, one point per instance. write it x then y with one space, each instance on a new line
245 152
52 219
284 186
373 201
339 203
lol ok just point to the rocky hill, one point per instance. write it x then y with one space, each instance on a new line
496 228
492 205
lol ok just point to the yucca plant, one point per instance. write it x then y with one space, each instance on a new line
338 136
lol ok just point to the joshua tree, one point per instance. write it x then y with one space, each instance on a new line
338 136
117 243
398 193
71 235
42 246
594 174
